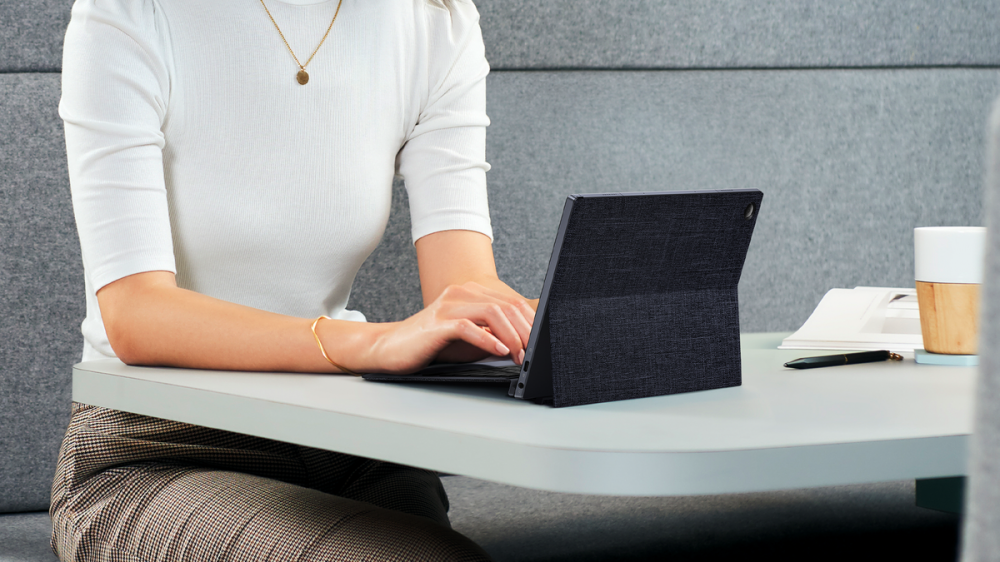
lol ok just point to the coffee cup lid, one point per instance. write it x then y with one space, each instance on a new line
949 254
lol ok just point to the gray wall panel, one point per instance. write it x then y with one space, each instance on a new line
31 34
41 289
849 162
737 33
655 33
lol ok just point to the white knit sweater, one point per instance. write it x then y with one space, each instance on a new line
193 149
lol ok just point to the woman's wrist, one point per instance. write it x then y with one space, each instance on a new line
350 345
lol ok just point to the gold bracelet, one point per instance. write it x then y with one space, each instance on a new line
323 351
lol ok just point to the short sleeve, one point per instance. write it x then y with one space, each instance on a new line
443 160
115 89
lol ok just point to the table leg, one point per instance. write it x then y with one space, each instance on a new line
942 494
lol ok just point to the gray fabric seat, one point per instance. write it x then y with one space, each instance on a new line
857 120
872 522
24 537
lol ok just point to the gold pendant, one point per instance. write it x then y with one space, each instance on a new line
302 77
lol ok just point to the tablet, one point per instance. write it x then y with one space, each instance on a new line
640 299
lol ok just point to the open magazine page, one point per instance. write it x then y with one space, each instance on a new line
862 318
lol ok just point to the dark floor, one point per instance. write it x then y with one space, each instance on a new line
855 523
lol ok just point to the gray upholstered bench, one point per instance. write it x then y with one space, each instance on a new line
858 120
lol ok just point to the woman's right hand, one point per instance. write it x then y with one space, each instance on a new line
465 322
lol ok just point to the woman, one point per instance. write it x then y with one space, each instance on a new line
227 186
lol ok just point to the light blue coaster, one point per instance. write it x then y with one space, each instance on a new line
928 358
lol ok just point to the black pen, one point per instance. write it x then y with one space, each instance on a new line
843 359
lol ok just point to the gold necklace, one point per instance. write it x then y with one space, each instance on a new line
302 76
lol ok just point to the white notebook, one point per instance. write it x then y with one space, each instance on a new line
862 318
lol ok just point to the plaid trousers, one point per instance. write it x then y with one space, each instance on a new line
131 488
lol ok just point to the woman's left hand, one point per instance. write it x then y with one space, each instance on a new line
519 312
460 263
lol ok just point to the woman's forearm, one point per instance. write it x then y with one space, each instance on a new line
150 321
453 257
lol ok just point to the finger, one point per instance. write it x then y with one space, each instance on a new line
466 330
492 315
518 311
526 310
518 321
515 329
522 319
515 300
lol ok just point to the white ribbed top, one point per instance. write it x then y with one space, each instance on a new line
193 149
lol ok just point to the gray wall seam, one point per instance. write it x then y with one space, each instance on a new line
668 69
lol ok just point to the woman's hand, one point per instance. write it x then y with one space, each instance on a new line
465 322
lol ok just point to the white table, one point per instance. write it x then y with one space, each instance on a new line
782 429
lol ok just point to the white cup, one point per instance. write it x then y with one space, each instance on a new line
948 269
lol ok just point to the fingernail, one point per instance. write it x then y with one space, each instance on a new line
502 349
520 356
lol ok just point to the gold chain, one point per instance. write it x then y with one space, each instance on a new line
302 76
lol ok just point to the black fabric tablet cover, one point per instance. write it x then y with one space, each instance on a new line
644 297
